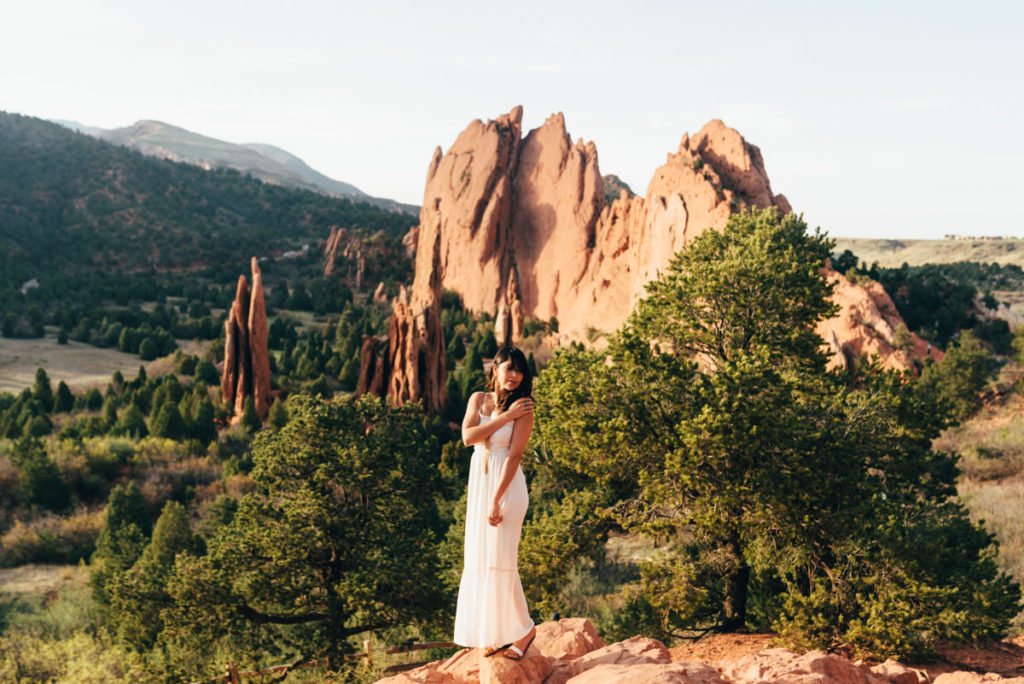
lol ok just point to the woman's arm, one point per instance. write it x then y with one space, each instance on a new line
472 431
520 436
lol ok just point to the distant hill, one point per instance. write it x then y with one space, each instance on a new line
893 253
77 205
265 162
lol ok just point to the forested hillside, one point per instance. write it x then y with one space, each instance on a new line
71 204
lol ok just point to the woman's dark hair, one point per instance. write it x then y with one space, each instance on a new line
519 362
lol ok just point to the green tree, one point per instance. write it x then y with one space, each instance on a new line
138 595
37 426
202 425
148 349
64 400
41 481
93 399
131 423
168 422
219 514
109 412
249 419
278 416
339 537
126 523
206 372
960 377
42 391
770 484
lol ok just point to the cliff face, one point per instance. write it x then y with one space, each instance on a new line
519 227
523 222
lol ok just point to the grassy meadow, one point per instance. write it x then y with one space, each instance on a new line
893 253
80 365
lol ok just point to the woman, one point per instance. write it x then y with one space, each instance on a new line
492 611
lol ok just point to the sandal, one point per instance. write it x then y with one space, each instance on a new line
491 650
515 653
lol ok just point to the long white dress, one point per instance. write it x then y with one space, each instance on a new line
492 609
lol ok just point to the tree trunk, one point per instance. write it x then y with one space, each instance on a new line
734 606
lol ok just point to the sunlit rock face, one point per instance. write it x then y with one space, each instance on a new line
519 226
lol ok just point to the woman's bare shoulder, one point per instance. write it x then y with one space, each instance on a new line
482 400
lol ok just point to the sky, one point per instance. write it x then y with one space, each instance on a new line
875 119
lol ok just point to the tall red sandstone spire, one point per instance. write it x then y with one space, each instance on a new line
246 357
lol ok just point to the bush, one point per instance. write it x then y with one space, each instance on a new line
958 380
51 539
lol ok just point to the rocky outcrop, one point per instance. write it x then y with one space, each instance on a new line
783 665
525 230
868 324
522 227
234 380
462 237
570 650
347 254
246 371
975 678
374 369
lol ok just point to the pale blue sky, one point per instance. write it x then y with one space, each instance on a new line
895 119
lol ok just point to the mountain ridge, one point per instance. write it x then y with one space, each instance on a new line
268 163
72 203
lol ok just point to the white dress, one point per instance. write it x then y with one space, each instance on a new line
492 609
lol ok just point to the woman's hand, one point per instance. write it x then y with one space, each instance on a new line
495 517
519 408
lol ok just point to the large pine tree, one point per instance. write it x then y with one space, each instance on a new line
715 427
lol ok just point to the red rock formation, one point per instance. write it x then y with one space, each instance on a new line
533 212
409 241
237 362
373 367
331 248
246 357
519 227
463 237
339 246
571 651
868 324
258 345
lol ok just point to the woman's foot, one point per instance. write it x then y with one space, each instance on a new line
519 648
491 650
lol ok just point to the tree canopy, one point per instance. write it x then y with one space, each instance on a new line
338 538
780 493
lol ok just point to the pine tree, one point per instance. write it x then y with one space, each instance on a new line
250 421
278 416
138 595
64 400
168 422
126 523
288 556
713 425
109 413
42 483
203 427
131 423
42 391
